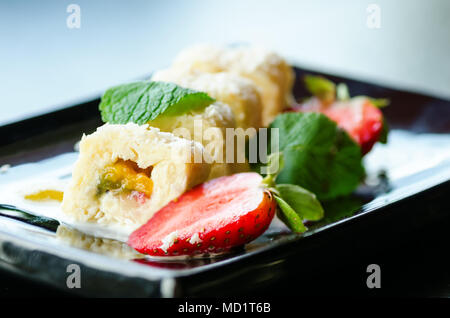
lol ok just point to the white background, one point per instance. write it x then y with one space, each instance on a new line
45 65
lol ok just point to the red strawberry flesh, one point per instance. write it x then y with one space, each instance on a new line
211 218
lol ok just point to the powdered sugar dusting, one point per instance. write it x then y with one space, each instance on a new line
168 241
195 239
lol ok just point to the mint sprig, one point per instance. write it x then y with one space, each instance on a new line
289 216
301 200
318 155
295 203
141 102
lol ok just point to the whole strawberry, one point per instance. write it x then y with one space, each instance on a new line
359 116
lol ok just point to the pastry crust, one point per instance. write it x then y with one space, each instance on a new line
236 91
177 165
208 127
272 75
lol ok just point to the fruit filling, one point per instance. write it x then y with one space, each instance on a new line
126 176
45 195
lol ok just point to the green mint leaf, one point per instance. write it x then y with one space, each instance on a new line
140 102
320 87
302 201
318 155
289 216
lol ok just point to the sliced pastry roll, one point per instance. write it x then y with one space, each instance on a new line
208 127
125 173
236 91
271 73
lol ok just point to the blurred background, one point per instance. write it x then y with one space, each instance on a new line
45 65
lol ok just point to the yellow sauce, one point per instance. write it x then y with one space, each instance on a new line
45 195
127 175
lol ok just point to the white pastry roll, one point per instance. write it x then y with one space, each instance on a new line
272 74
208 127
236 91
125 173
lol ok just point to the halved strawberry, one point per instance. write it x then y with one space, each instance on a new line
362 120
211 218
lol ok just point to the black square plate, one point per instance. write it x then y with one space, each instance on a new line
405 187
